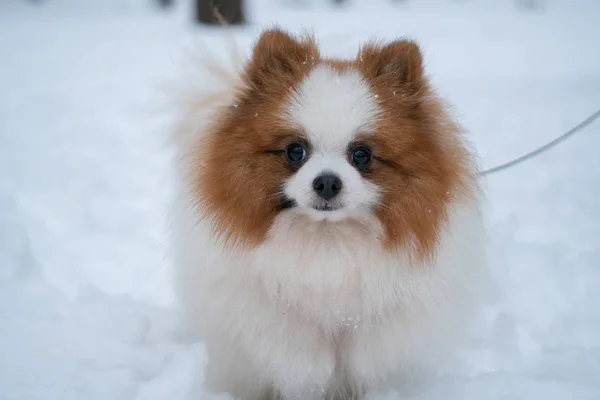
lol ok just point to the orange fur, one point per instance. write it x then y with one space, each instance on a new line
420 163
240 183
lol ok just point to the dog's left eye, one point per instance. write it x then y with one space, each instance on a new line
296 153
361 157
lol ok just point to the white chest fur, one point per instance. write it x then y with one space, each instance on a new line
320 297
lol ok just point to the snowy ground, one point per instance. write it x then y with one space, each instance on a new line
85 303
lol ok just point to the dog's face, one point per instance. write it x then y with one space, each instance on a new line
334 113
331 141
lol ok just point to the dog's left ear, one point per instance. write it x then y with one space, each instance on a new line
398 63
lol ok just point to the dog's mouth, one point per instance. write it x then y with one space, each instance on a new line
286 203
326 207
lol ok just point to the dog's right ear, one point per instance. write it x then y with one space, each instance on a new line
278 55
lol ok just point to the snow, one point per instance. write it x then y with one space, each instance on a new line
86 309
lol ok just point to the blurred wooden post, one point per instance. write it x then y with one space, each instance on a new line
232 11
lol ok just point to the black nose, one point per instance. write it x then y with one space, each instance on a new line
327 186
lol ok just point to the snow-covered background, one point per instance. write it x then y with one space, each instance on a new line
86 308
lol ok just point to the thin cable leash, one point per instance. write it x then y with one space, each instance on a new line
583 124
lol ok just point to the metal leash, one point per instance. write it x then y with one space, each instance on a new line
545 147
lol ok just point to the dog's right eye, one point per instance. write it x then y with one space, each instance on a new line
296 153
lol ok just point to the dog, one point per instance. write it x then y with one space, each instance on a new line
327 225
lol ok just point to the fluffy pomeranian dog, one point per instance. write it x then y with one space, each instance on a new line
327 225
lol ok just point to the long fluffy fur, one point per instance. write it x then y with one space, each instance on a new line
283 319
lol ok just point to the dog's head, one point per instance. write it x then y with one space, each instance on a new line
332 141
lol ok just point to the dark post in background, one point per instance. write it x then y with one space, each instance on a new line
232 11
